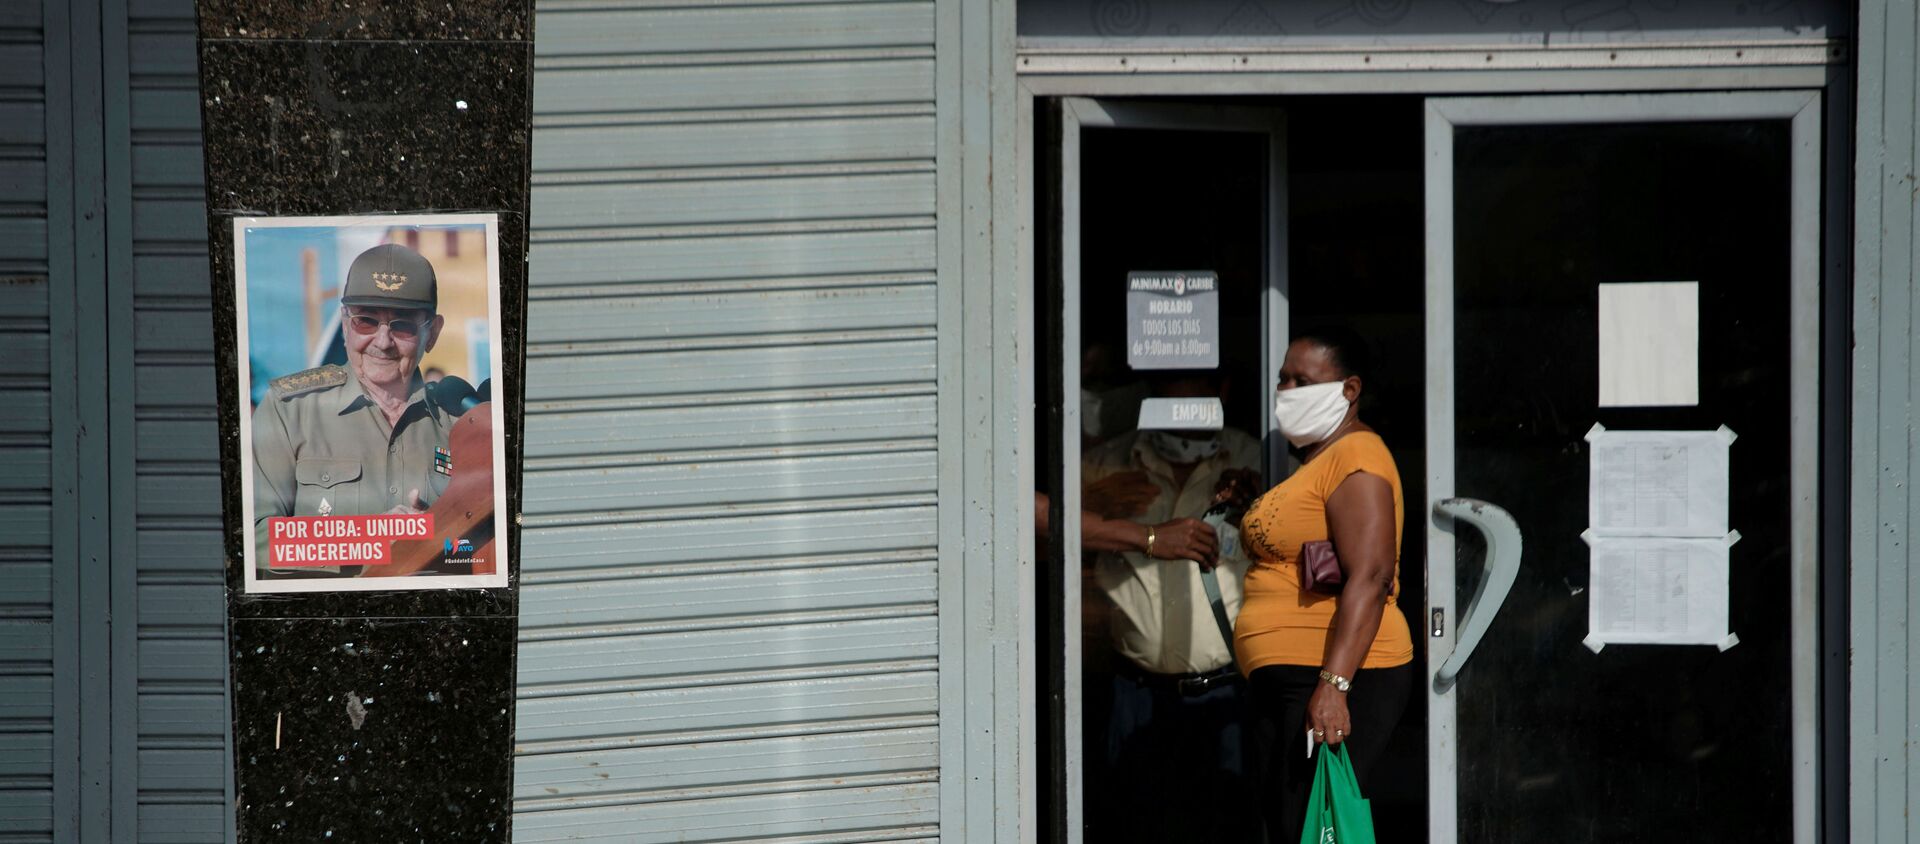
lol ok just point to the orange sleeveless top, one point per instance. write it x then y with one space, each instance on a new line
1281 624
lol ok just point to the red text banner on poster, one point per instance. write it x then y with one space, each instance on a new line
341 540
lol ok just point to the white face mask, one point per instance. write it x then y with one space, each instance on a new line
1178 449
1310 414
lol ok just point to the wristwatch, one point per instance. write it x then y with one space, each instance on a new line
1338 682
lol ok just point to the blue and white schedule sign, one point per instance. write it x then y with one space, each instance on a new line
1173 320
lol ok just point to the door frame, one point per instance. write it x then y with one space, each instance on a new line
1802 109
1077 113
1816 65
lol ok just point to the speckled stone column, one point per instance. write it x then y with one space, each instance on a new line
369 716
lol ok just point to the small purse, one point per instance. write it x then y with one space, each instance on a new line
1320 569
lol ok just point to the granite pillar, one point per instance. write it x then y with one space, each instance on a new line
369 716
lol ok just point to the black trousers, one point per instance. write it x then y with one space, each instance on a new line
1280 694
1176 767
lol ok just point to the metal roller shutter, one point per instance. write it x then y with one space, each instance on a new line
26 479
181 773
728 623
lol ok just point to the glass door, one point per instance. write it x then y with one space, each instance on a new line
1138 186
1541 212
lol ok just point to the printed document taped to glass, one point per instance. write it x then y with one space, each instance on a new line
1658 483
1658 537
1658 591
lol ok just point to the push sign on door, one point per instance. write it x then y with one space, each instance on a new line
1173 320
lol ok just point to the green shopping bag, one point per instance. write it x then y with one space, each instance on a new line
1336 813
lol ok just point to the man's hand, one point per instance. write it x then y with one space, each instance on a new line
1119 496
1186 539
413 507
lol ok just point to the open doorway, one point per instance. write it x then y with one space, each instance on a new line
1333 237
1472 242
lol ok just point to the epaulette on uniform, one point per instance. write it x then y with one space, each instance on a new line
301 383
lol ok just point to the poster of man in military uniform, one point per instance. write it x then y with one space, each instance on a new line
372 451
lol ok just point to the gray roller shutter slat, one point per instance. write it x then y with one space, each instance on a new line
167 661
26 812
22 65
744 538
26 412
173 10
23 242
173 441
183 823
732 86
681 714
813 365
172 331
761 144
176 220
616 659
175 715
176 770
170 110
24 352
29 468
735 482
693 201
700 30
633 772
887 813
23 124
23 755
554 607
29 698
168 165
730 426
777 254
25 526
26 586
181 606
171 275
734 314
23 181
157 385
176 496
25 301
178 550
162 54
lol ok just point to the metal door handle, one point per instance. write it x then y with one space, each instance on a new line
1502 564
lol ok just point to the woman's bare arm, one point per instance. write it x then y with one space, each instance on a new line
1360 518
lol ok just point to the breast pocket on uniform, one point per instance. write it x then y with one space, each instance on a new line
327 487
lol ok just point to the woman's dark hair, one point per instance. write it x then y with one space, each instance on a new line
1344 346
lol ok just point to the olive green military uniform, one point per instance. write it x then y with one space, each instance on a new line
321 447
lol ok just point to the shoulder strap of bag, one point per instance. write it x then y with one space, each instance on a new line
1211 582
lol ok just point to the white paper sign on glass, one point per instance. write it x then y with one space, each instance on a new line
1658 483
1650 344
1173 320
1658 591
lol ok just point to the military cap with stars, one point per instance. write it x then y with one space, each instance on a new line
391 276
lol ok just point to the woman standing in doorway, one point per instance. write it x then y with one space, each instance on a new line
1328 669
